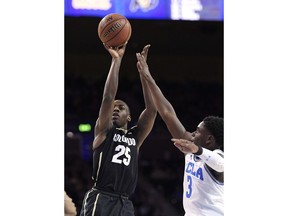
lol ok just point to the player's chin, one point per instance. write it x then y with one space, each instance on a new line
116 122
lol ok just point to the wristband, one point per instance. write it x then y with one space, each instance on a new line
200 150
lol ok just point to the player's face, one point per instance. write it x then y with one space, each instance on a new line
200 135
120 113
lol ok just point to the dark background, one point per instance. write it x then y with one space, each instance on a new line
186 60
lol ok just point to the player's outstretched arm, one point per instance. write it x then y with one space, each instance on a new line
110 89
163 106
147 117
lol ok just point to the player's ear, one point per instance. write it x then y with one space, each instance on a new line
210 140
128 118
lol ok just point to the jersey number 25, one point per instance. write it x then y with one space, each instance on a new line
122 150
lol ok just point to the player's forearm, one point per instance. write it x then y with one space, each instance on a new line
162 104
112 80
148 100
212 159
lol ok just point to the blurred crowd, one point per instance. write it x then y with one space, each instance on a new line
159 187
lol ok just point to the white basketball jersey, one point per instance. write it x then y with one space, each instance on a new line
203 195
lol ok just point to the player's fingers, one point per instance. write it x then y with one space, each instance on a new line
124 46
146 48
174 139
143 59
140 57
182 142
179 147
145 51
182 149
106 46
178 141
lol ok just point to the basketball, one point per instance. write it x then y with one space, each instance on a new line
114 30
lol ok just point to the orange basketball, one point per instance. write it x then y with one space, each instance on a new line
114 30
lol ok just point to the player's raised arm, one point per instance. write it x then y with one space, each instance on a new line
104 122
147 118
163 106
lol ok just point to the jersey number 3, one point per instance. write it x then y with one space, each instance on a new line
122 150
189 189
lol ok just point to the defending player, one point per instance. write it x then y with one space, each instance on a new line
203 182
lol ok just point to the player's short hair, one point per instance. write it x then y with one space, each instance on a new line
215 125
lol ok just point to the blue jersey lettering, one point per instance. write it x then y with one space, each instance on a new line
197 173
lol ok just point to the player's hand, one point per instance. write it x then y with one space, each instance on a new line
144 52
142 60
142 66
185 146
116 52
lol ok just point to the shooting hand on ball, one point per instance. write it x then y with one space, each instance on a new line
116 52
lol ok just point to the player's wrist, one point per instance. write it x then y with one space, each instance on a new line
199 151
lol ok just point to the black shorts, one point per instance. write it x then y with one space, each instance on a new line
100 203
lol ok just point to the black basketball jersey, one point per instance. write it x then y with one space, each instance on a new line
115 162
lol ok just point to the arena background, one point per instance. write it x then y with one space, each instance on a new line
186 60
